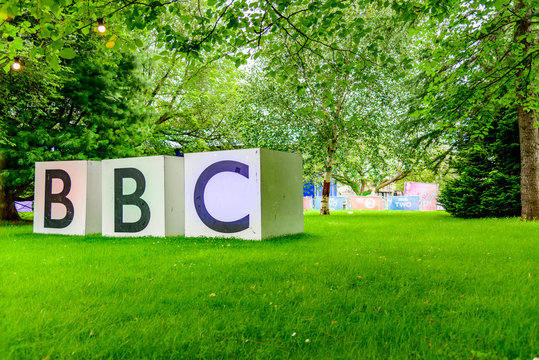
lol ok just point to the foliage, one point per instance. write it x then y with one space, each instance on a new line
330 55
42 30
188 27
488 170
191 101
416 280
87 111
477 57
338 105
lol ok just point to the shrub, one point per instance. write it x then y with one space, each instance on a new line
488 172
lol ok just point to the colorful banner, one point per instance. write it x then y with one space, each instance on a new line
307 203
428 194
367 203
409 203
335 203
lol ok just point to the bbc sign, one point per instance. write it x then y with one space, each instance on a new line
251 194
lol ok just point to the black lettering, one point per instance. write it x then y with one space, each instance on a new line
59 198
130 199
200 206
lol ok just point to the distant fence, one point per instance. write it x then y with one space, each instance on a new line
410 203
335 203
367 203
373 202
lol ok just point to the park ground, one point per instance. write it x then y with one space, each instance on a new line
366 285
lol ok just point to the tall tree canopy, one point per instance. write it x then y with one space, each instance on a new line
88 110
471 57
480 56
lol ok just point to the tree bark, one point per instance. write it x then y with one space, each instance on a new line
386 182
357 188
324 206
528 133
7 206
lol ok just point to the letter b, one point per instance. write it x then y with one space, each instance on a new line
120 200
143 196
65 200
59 198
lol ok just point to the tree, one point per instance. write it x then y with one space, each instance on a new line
331 80
488 172
44 31
483 55
86 111
371 147
190 101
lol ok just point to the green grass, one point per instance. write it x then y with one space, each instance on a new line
371 285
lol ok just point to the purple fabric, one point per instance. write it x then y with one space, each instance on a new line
23 206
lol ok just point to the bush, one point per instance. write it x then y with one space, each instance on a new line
488 173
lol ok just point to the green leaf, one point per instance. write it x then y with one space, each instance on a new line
67 53
54 63
58 44
17 44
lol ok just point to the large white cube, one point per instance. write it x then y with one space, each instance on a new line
250 194
67 197
143 196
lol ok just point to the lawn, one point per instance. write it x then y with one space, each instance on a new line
368 285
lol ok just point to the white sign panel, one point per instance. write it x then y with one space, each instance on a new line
143 196
67 197
250 194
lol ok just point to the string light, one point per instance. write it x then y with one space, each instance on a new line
101 26
16 64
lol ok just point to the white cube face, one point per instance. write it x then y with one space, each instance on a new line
61 201
222 194
133 196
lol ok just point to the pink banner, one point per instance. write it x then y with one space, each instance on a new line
307 203
366 202
428 194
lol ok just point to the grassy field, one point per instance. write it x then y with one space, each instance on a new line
368 285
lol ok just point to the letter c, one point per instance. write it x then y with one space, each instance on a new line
200 187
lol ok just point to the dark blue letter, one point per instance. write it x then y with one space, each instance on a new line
200 206
131 199
59 198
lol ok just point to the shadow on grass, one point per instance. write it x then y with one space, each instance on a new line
97 238
20 222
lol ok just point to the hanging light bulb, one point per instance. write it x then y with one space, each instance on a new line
101 26
16 64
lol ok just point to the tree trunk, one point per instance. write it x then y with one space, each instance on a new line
363 187
7 206
324 206
528 134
